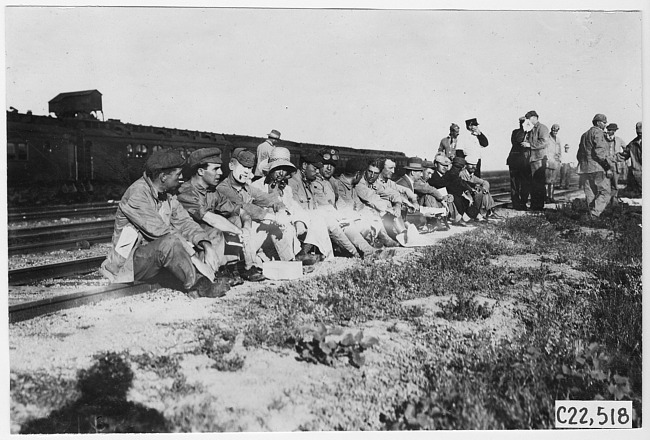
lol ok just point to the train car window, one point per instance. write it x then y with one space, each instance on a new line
17 151
140 150
129 151
156 148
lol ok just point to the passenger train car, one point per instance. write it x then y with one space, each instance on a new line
75 146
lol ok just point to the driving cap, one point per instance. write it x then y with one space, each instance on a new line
442 159
531 113
355 165
599 117
163 159
244 157
612 126
205 155
312 158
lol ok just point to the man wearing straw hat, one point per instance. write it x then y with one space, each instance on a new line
200 199
310 230
264 149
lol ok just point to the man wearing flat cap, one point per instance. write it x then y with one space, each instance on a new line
264 149
595 166
200 199
619 168
301 185
265 210
154 232
538 141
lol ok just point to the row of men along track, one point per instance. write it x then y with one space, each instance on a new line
40 287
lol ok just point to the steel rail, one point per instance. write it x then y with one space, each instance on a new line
28 275
33 309
50 214
54 245
47 231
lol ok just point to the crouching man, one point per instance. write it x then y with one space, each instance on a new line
154 232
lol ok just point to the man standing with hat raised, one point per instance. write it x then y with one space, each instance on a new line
472 147
264 150
154 232
200 199
538 140
595 166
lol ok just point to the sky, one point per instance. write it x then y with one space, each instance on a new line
385 79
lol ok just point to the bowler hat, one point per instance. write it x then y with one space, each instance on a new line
204 155
163 159
531 113
244 157
275 134
612 126
414 164
279 158
471 122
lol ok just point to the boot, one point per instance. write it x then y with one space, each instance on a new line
205 289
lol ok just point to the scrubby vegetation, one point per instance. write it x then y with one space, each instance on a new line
575 336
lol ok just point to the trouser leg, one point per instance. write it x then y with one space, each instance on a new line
614 183
602 186
353 233
338 236
515 187
164 253
538 187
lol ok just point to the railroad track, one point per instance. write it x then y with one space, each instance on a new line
70 236
59 211
28 275
33 309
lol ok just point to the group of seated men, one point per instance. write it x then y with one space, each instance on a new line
210 233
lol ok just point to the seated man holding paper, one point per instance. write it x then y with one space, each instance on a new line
154 232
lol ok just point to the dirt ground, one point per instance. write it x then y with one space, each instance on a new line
273 391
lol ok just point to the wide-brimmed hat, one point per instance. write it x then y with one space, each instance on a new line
275 134
414 164
279 158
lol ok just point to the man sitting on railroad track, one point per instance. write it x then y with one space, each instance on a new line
386 187
425 192
300 184
266 210
326 197
310 230
153 232
200 199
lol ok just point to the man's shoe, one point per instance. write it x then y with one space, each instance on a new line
253 274
217 289
308 259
